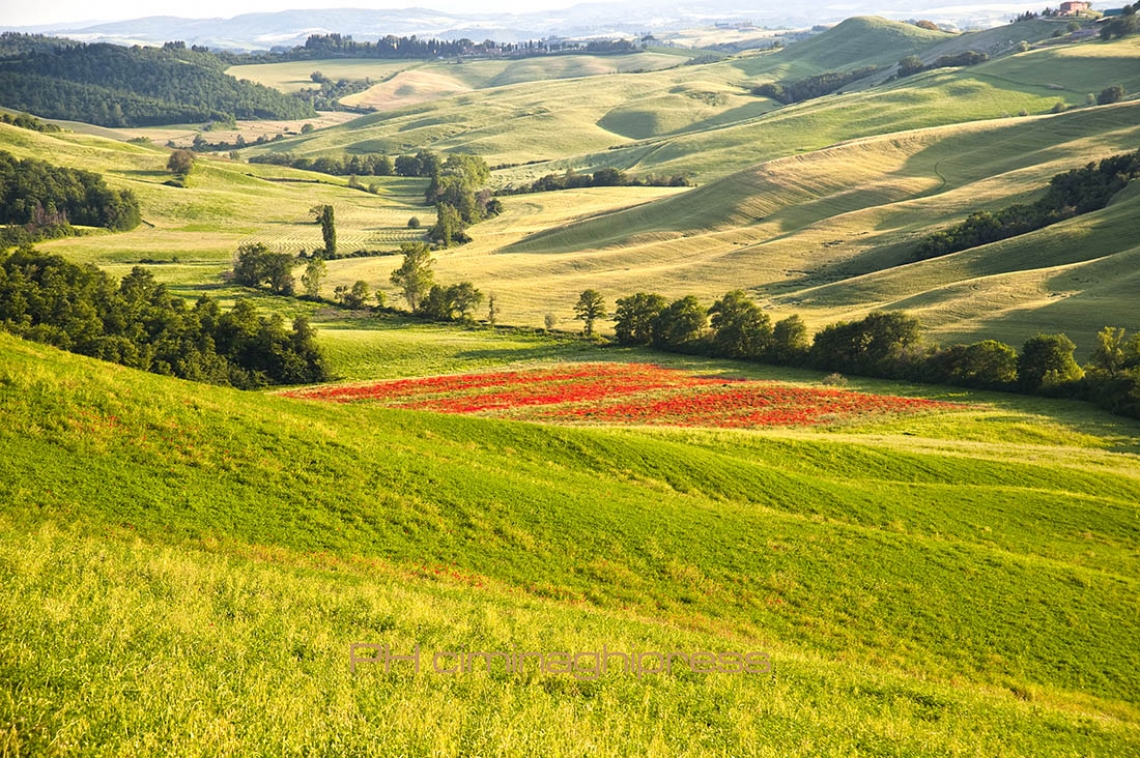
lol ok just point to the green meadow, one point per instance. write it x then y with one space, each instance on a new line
185 567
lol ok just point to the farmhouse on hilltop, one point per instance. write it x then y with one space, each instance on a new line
1074 8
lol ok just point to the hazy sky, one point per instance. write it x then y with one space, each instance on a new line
15 13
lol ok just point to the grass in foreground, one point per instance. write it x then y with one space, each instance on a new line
917 594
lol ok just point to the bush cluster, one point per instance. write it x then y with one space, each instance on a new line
138 323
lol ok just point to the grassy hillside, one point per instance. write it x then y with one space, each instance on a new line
862 41
830 234
820 232
185 566
702 120
226 204
895 580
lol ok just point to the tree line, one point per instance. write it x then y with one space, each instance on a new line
41 201
371 164
603 177
1070 194
28 121
118 86
324 46
136 322
257 267
812 87
889 345
912 64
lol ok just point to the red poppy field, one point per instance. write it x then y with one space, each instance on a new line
634 393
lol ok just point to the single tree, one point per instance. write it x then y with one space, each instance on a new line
327 219
1109 356
589 308
414 277
1110 95
180 163
314 274
492 310
790 341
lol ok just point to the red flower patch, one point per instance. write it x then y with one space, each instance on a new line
617 393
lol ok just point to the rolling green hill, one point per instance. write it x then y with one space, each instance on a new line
703 121
830 234
185 567
861 41
260 536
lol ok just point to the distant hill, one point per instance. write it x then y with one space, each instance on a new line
863 40
286 28
114 86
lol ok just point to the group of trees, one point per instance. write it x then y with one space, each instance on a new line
456 187
739 328
603 177
28 121
912 64
884 344
458 192
138 323
1124 25
1070 194
257 267
118 86
371 164
814 86
1110 95
41 201
324 46
327 94
416 282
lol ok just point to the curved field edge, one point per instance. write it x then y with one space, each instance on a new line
942 566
